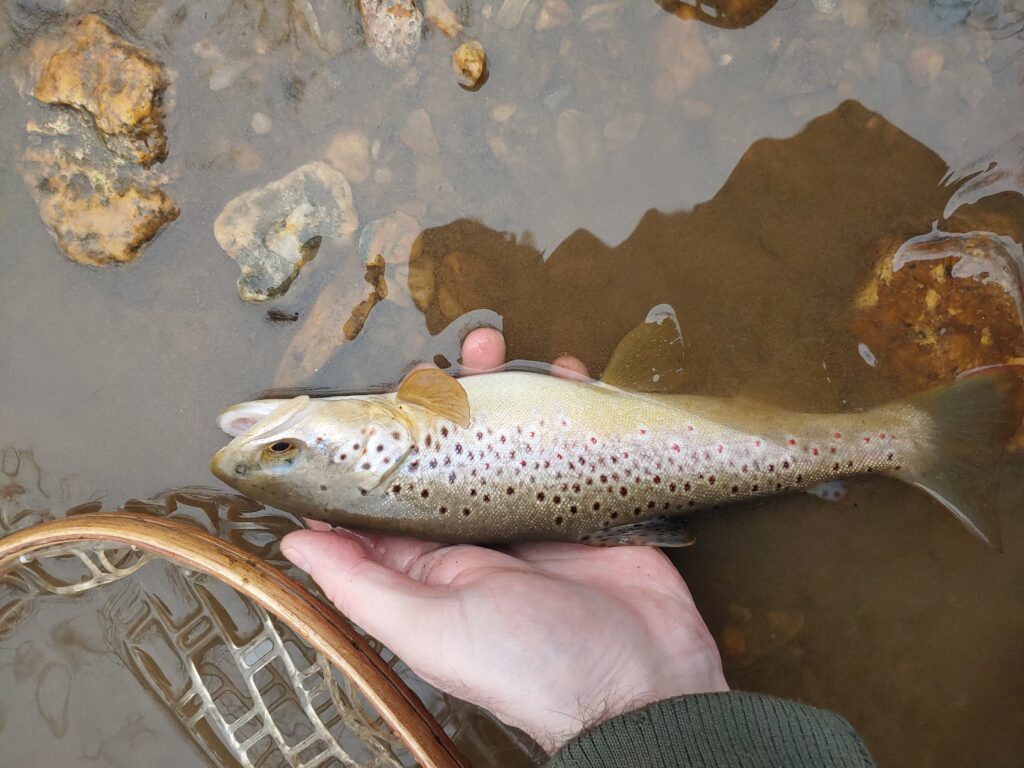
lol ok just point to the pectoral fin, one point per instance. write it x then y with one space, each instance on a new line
436 391
656 532
650 357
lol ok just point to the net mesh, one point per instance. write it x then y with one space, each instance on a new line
245 688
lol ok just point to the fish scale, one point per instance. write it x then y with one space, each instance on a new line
566 459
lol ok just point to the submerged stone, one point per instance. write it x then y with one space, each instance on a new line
941 304
392 29
99 211
119 85
470 64
273 231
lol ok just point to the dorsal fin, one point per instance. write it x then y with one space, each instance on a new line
650 357
437 391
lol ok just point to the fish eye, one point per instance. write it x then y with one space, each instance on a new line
280 452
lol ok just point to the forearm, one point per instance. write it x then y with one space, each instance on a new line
717 730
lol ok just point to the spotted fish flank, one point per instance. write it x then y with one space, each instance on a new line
517 456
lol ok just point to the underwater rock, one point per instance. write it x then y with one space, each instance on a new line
273 231
393 29
442 17
553 14
98 211
682 57
341 309
120 85
470 64
941 304
349 152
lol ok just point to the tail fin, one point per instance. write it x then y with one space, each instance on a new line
971 420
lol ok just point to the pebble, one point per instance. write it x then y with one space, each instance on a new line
502 113
553 14
681 58
349 152
924 64
470 64
393 29
261 123
622 131
418 134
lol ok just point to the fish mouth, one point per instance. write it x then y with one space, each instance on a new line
222 467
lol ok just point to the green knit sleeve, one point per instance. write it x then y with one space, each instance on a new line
719 730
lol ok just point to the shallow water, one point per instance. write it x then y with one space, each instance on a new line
751 199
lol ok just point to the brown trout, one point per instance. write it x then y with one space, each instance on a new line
517 456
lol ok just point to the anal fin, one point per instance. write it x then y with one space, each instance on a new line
656 532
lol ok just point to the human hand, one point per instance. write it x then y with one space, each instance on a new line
550 637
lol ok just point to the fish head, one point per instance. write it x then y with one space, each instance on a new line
312 456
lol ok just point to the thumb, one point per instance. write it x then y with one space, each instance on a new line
385 603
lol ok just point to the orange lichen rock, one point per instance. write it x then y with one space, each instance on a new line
97 217
120 85
941 304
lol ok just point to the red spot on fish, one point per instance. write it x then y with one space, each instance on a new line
593 441
676 448
814 451
522 463
559 456
533 434
792 441
689 427
881 436
867 439
643 431
837 435
757 443
889 457
832 449
720 448
745 467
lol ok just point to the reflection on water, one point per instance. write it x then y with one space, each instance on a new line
615 159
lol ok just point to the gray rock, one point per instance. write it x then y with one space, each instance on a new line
393 29
273 231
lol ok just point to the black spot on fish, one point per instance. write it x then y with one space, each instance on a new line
323 487
355 446
443 510
785 465
572 510
636 511
657 479
365 465
597 506
424 493
487 497
428 441
433 463
650 504
510 490
540 496
396 488
557 500
472 491
686 486
711 480
343 457
735 489
623 491
753 488
396 435
451 478
672 487
465 511
444 431
613 515
380 448
458 447
559 520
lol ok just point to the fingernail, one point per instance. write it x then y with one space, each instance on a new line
297 557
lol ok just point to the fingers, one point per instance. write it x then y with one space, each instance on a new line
483 349
569 367
382 601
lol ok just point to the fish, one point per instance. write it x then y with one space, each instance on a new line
521 455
